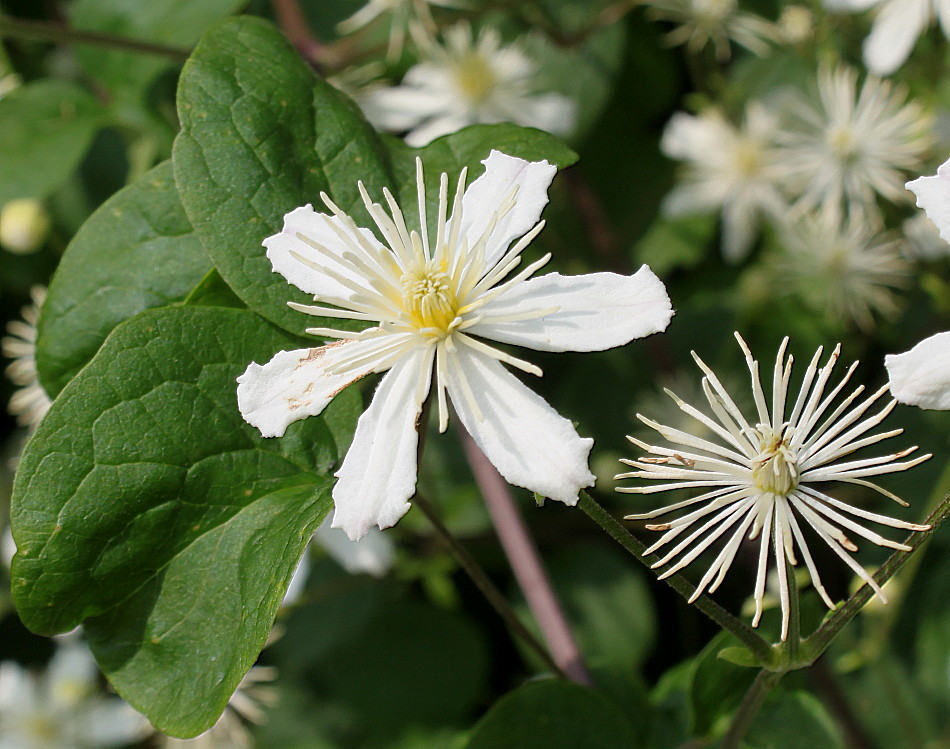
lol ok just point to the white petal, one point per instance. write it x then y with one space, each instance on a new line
378 475
295 384
316 227
852 6
485 195
436 127
933 195
921 376
529 443
372 554
895 30
596 311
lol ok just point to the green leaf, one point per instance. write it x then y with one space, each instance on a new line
790 720
717 686
136 252
145 505
175 23
552 714
261 135
178 647
45 129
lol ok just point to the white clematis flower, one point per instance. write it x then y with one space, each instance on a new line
727 168
434 301
467 80
765 478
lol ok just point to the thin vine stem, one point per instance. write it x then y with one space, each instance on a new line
818 642
478 576
758 646
56 33
749 707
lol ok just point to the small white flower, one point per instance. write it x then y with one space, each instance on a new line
921 376
762 476
62 708
848 147
30 403
24 226
247 705
727 168
796 24
467 81
433 300
402 13
843 268
897 26
718 21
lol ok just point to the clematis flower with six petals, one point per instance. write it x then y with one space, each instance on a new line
439 305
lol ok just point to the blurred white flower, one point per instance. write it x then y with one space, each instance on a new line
897 26
62 708
403 15
847 147
700 22
727 168
247 705
30 403
467 81
24 225
762 476
842 268
437 305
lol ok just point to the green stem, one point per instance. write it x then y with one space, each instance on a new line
486 586
759 647
793 642
749 707
44 31
817 643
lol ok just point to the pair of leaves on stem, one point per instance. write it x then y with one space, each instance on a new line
144 506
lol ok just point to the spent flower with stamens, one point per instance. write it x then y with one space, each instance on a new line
700 22
761 477
849 146
434 301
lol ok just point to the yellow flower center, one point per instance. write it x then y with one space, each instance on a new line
775 469
430 299
748 158
475 77
843 144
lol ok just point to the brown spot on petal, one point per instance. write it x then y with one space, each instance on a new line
658 527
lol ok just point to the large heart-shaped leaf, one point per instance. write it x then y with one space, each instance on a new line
145 505
136 252
262 135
